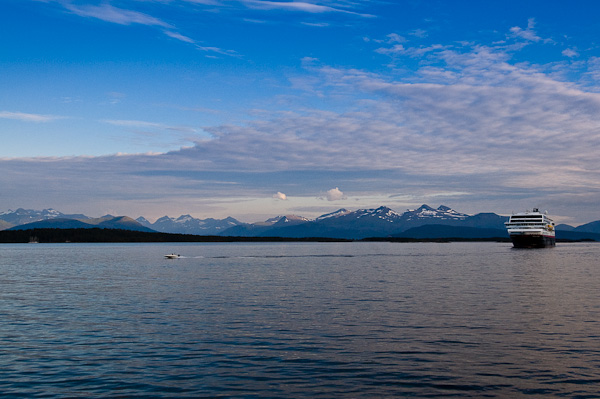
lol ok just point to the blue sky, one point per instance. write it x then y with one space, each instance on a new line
253 108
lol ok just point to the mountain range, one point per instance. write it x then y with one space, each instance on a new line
26 219
423 222
186 224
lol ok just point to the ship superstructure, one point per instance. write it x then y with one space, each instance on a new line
531 229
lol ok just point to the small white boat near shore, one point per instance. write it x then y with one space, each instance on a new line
172 256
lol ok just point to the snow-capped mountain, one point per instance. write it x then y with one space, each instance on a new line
426 212
361 223
380 221
339 212
283 220
383 213
375 222
187 224
184 224
263 229
23 216
143 221
106 222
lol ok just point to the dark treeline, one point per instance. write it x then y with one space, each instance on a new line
117 235
444 239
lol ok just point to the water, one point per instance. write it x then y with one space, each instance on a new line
324 320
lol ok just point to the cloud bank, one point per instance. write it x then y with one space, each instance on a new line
469 119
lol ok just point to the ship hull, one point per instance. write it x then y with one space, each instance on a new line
532 241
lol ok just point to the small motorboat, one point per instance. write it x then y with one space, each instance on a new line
172 256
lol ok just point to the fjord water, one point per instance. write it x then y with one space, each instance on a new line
299 320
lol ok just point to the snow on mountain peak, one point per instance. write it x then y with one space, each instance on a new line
184 219
274 220
442 212
286 219
49 213
339 212
383 212
187 224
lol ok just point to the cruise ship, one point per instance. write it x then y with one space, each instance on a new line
531 230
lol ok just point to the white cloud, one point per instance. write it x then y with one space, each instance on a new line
205 2
420 51
179 36
280 196
487 117
469 121
133 123
527 33
593 69
229 53
420 33
297 6
109 13
316 25
571 53
335 195
395 38
27 117
395 49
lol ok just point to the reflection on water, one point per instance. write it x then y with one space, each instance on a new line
299 320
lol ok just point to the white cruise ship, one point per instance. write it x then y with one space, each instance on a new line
531 230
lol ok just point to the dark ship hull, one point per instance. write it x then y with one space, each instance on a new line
532 241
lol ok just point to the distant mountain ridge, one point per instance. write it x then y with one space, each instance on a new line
25 219
186 224
375 222
423 222
118 222
23 216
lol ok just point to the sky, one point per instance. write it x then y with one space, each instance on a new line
255 108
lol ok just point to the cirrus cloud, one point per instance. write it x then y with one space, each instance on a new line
28 117
109 13
298 6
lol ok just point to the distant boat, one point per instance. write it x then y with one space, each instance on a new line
33 240
531 230
172 256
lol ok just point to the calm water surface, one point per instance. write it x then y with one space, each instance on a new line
356 320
